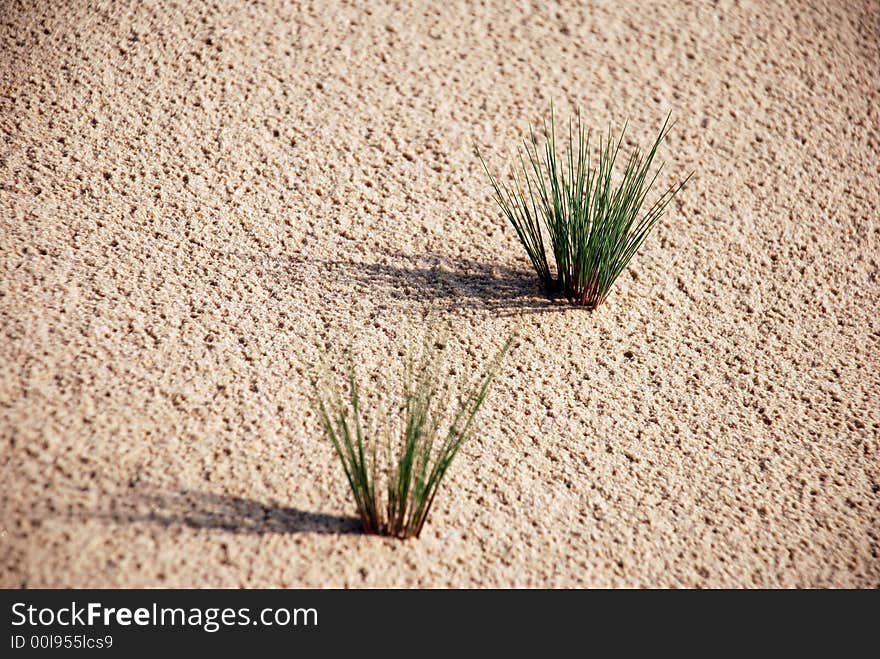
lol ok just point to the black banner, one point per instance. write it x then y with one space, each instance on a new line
330 621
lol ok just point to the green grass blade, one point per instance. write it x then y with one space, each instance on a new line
593 224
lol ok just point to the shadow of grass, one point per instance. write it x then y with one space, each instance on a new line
446 282
451 283
205 510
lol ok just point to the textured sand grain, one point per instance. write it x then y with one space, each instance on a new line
197 203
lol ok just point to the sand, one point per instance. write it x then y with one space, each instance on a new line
198 205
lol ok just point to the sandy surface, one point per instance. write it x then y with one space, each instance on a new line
196 204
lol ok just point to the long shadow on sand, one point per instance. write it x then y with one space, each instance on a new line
205 510
449 282
453 283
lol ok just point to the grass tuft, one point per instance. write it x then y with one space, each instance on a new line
587 206
394 479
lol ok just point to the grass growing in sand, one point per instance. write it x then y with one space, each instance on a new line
588 209
394 479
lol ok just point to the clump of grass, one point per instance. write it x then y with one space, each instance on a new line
395 477
589 209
